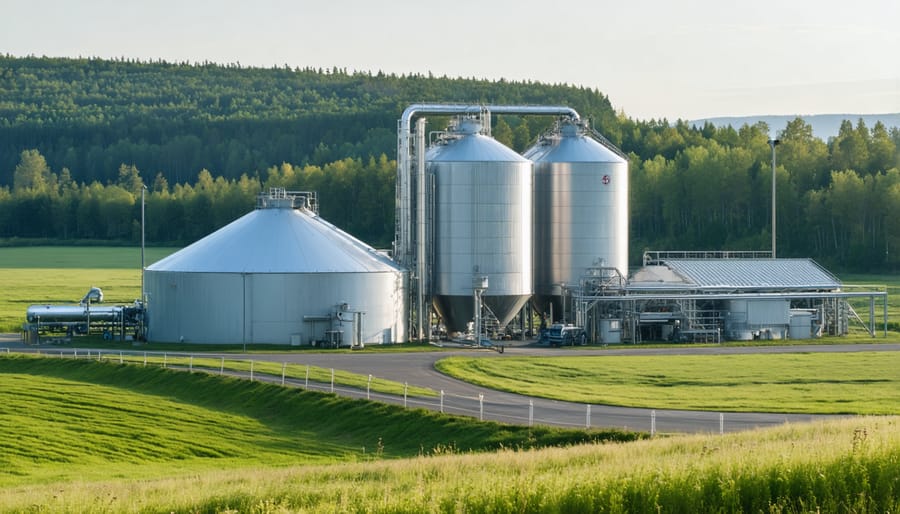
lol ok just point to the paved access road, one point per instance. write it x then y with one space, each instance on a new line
417 369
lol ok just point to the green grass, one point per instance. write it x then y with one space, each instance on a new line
62 275
812 383
837 466
72 420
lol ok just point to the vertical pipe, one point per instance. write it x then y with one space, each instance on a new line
423 324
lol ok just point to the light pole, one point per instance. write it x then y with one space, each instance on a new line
143 293
773 143
143 190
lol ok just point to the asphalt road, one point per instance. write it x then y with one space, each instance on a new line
417 368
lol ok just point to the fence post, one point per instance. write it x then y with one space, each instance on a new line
74 353
721 423
530 412
120 358
307 376
222 367
405 390
145 359
442 401
652 423
165 359
587 417
191 363
283 366
480 407
332 380
369 388
251 370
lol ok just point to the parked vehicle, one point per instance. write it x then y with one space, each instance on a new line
561 335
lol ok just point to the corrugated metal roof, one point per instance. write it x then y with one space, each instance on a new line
754 274
277 241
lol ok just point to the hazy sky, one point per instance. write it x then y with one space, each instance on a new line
652 58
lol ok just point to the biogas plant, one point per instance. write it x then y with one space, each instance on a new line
489 245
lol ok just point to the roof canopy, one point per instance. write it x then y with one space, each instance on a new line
735 275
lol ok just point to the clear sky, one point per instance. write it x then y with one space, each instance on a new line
653 58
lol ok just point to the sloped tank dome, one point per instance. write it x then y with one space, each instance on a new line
277 240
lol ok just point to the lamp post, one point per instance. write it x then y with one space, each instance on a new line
773 143
143 190
143 293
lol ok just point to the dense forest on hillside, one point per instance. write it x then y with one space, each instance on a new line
79 138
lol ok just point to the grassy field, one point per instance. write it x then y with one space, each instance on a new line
813 383
62 275
151 440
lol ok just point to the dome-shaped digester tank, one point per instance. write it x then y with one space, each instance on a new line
482 225
581 211
278 275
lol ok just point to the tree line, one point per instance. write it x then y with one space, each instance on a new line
81 138
47 205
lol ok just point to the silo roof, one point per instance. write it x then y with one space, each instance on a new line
472 148
280 240
572 148
738 274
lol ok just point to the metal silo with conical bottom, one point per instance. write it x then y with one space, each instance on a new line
482 225
581 212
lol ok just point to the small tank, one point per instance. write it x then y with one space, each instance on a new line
581 211
482 225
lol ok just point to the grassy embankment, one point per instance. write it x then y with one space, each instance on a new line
151 440
77 427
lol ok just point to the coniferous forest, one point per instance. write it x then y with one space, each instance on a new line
81 138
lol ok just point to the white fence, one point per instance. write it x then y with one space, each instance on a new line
484 405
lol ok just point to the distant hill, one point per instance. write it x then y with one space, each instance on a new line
824 126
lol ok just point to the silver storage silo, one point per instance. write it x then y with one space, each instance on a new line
482 225
581 211
278 275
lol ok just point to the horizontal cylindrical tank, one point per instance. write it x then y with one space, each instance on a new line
482 225
581 211
71 313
